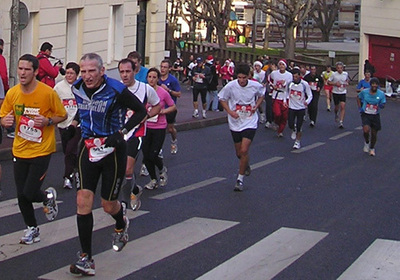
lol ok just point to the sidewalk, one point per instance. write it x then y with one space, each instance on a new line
184 121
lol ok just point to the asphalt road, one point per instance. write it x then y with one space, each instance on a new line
326 211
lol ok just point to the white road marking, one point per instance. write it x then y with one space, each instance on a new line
10 207
265 162
307 148
149 249
268 257
358 127
341 135
381 261
188 188
54 232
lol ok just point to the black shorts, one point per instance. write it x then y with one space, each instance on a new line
248 133
111 169
171 117
337 98
373 121
133 146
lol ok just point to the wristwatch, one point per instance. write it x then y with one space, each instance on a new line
50 121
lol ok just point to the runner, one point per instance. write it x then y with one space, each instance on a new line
280 80
69 130
201 77
300 97
172 86
315 82
102 153
154 139
327 87
370 101
364 83
241 99
141 71
339 80
147 95
36 108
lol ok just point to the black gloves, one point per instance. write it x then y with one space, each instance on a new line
114 140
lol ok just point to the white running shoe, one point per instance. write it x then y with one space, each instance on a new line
293 135
372 152
296 145
174 147
152 185
262 118
50 207
135 199
268 125
163 177
143 171
195 114
31 235
366 147
204 114
238 186
67 183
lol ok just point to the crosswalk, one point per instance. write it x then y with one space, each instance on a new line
264 259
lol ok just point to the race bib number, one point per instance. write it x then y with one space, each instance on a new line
153 119
198 79
244 111
28 131
342 87
313 85
280 84
70 106
137 131
371 109
97 149
295 94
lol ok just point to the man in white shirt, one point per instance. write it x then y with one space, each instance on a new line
241 99
280 80
146 94
300 96
339 80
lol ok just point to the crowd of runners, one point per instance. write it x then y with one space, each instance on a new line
105 123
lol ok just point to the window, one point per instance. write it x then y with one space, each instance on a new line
115 34
74 34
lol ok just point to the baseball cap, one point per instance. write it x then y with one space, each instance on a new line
199 59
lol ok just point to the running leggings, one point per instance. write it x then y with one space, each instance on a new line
203 94
152 144
29 175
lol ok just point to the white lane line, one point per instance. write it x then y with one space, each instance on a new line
358 127
188 188
10 207
54 232
381 261
149 249
265 162
307 148
268 257
341 135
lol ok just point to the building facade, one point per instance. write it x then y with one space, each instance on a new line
380 37
111 28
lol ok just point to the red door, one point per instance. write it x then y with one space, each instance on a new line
384 54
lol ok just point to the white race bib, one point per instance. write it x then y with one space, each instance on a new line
97 149
28 131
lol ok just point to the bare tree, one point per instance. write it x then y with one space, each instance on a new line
215 13
324 14
291 13
174 11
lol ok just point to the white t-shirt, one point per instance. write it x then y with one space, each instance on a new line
259 76
342 79
63 89
297 95
141 90
242 100
281 80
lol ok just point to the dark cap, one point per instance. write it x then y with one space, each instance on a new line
199 59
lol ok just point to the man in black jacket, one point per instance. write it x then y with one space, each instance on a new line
201 77
212 95
316 83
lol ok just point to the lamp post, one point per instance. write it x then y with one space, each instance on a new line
14 13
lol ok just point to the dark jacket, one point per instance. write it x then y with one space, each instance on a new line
201 83
213 84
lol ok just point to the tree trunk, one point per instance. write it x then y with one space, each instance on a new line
290 42
325 36
221 38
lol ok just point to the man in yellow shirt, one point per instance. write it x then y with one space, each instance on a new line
36 109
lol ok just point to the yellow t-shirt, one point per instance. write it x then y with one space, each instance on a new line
30 141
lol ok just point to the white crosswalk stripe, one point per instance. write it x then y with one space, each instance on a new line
265 259
54 232
381 261
151 248
10 207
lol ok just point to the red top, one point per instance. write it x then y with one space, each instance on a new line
47 72
3 73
